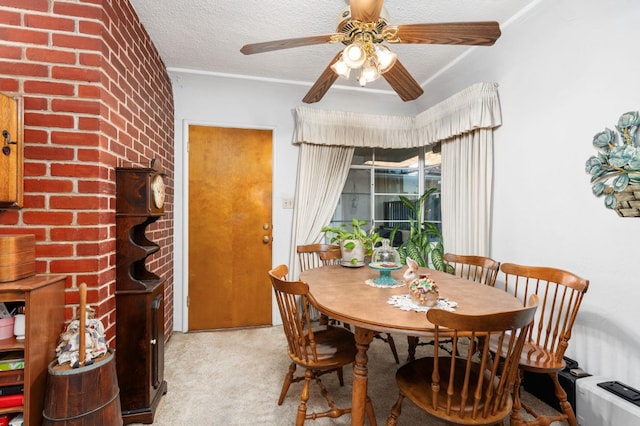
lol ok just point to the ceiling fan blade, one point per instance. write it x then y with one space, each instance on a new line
322 84
365 10
483 33
288 43
402 82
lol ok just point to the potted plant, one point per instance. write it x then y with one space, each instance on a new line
424 244
355 244
615 171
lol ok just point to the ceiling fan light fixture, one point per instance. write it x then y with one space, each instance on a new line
385 58
341 69
354 55
368 73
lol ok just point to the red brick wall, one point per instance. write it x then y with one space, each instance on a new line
96 95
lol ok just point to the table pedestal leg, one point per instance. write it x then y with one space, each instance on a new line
359 393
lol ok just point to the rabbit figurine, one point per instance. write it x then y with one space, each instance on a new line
412 272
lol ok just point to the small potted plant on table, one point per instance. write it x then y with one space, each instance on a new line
355 244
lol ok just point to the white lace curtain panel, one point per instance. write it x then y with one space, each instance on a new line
327 140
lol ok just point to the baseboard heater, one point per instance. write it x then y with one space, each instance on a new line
599 402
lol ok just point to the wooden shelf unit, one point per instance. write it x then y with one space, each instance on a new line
43 299
139 299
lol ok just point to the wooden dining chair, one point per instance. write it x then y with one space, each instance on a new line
309 254
470 386
331 257
560 294
309 258
480 269
325 254
317 349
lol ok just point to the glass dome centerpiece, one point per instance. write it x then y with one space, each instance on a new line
386 259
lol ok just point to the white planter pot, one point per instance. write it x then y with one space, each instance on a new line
352 256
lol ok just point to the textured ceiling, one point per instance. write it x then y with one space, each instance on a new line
206 35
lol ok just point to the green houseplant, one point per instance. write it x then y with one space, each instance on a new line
615 171
424 244
356 244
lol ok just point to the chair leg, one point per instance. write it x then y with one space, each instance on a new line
562 398
340 376
288 379
543 420
517 403
396 410
304 397
392 345
412 341
371 415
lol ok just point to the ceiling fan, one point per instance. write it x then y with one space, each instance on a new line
363 27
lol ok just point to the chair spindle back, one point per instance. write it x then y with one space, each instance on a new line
293 305
480 269
309 255
560 293
473 385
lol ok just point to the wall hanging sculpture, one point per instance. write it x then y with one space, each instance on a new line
615 170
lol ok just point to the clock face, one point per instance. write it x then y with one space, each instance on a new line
158 190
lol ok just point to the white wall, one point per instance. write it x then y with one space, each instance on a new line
230 102
566 70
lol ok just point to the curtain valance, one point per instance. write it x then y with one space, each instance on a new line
475 107
322 127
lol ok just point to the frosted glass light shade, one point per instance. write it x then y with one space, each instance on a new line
354 56
369 72
385 58
341 69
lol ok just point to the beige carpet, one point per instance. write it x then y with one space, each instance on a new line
234 378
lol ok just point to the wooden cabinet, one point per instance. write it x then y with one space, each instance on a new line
11 152
43 299
139 298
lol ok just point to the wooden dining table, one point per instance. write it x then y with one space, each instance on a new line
342 293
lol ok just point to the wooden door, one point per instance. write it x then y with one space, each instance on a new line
230 172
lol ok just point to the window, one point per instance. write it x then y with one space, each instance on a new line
375 182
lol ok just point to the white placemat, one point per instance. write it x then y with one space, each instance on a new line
372 283
405 303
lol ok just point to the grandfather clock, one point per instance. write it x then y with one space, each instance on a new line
139 295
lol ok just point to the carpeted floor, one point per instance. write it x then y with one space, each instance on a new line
234 378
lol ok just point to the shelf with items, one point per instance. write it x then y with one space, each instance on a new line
139 295
12 410
11 344
42 298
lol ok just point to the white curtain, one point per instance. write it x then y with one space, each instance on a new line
459 116
322 172
467 187
464 125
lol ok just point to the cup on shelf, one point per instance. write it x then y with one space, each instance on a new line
18 326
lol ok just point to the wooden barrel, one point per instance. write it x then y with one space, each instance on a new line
83 396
